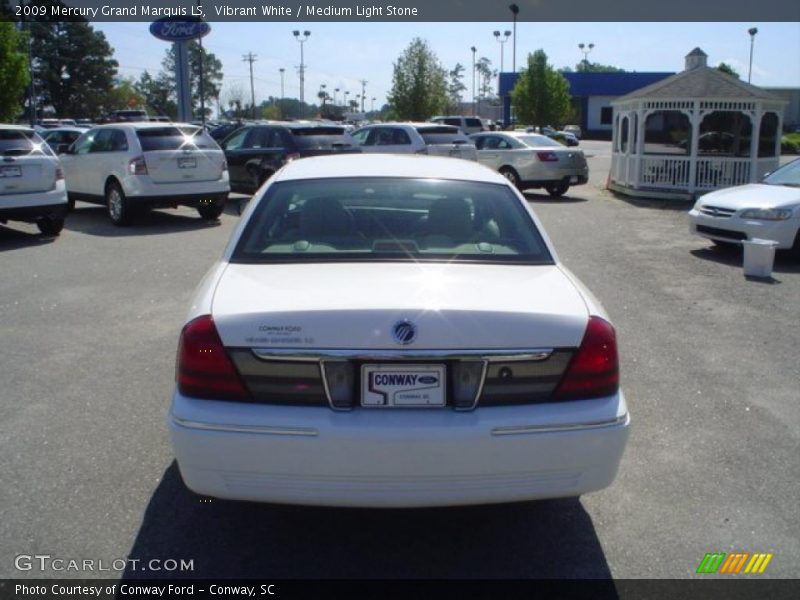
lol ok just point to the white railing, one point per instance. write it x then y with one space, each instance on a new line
664 172
715 173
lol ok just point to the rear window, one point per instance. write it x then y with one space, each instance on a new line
319 137
174 138
442 135
409 220
20 142
537 141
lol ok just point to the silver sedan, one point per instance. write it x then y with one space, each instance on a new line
529 160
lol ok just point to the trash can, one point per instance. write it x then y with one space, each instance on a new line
759 255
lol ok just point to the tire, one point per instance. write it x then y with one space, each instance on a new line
512 176
212 210
50 226
556 189
727 246
118 206
794 252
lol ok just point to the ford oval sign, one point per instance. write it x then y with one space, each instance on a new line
171 30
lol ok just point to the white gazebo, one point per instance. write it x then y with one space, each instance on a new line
694 132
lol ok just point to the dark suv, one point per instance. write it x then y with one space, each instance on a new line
255 152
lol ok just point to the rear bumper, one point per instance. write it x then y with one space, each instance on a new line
569 176
403 458
34 204
192 200
140 189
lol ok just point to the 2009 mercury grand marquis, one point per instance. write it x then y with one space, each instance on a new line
394 331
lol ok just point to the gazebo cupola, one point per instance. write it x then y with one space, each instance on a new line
696 131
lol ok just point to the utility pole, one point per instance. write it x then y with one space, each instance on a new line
251 58
474 50
363 94
282 70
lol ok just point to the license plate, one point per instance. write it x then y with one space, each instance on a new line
573 179
403 385
10 172
187 163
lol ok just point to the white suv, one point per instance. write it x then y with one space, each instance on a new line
136 166
31 180
467 125
414 138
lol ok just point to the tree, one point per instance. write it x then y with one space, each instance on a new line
125 94
455 87
485 74
14 76
726 68
541 94
157 94
419 83
73 67
592 67
211 70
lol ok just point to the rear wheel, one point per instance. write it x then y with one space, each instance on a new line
511 175
50 226
212 210
119 207
557 189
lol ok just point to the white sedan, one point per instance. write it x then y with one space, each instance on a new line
769 210
394 331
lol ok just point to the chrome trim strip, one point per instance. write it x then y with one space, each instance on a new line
525 429
494 355
266 430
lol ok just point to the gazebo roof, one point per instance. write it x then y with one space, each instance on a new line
699 82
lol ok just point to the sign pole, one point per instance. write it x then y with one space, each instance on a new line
184 91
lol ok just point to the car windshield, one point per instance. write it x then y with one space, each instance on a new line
174 138
21 142
786 175
539 141
398 219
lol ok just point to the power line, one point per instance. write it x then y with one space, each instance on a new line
251 58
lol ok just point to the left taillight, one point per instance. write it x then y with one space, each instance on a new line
203 368
138 166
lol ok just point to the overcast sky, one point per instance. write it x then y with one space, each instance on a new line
341 54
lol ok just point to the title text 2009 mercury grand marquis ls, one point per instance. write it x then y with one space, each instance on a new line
394 331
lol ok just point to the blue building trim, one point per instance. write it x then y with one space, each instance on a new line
585 85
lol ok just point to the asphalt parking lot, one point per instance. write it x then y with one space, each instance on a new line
88 331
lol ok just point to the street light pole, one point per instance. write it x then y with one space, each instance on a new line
585 49
502 45
514 11
302 41
752 31
282 70
473 79
372 106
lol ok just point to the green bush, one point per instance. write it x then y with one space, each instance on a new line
790 143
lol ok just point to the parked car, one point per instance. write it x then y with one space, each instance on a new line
59 139
138 166
414 138
467 125
574 130
223 130
530 160
339 354
128 115
255 152
769 210
31 181
563 137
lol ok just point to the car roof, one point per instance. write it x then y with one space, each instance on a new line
414 124
16 127
387 165
67 128
144 125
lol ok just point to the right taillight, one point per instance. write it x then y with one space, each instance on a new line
547 156
594 370
203 368
138 166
